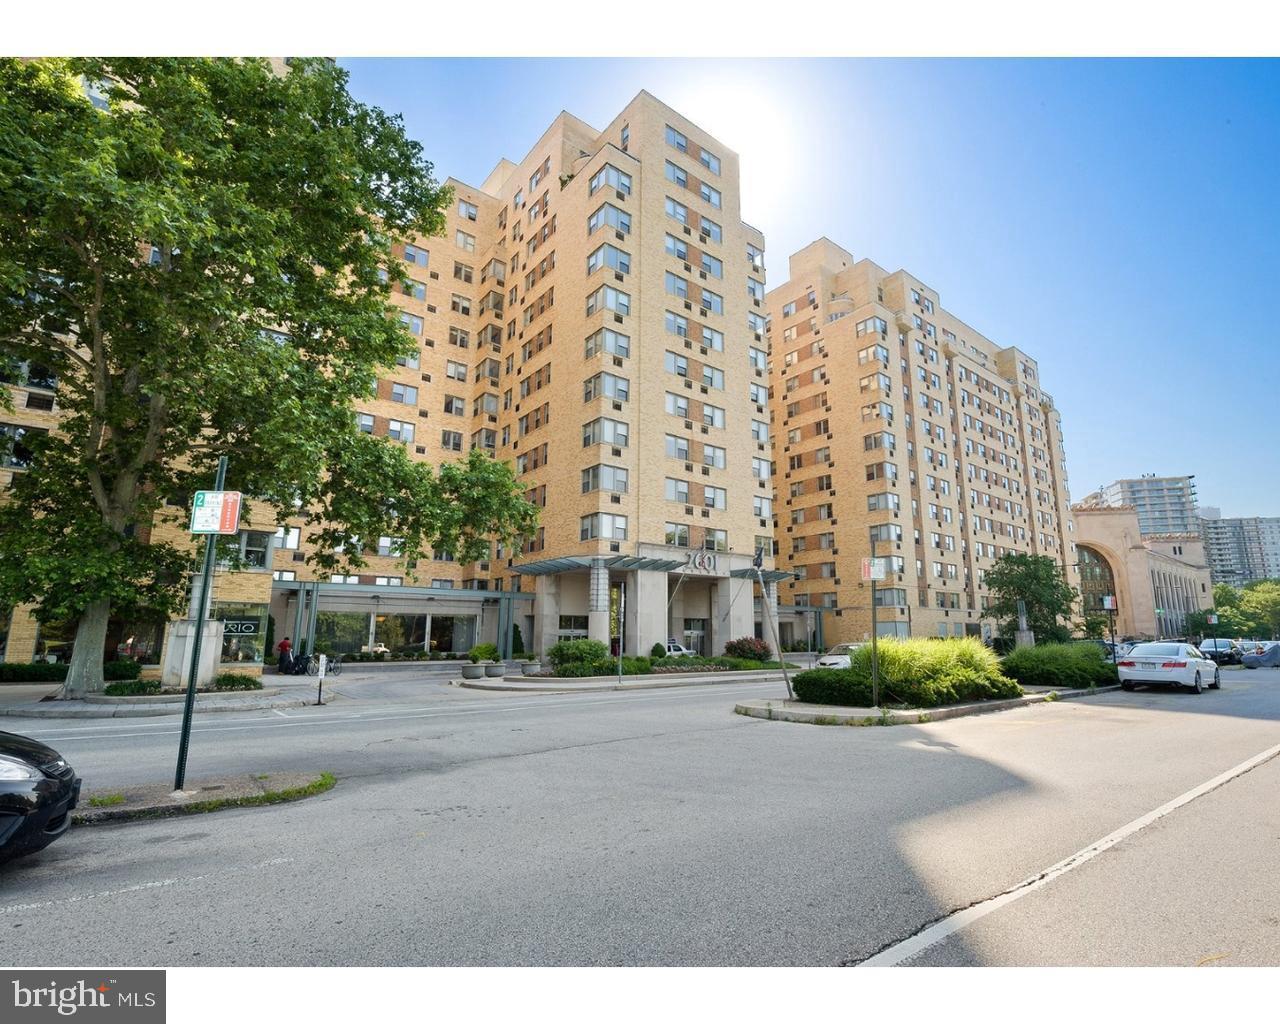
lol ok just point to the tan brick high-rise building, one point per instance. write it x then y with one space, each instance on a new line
593 314
895 420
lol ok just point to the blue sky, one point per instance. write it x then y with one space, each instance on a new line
1119 220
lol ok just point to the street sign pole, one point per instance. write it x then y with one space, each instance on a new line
206 580
875 654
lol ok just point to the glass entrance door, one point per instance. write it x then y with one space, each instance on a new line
695 635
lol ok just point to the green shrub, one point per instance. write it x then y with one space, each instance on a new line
921 673
605 666
1073 666
31 672
750 647
483 652
236 681
122 669
132 688
572 652
832 686
658 651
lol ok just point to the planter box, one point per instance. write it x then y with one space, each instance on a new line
470 671
495 671
530 668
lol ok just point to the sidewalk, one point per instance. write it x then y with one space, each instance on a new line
25 701
594 684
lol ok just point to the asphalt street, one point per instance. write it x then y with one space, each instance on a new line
656 827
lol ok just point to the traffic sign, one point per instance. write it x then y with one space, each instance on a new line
216 512
1108 603
876 569
1211 618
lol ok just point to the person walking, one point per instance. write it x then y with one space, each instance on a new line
284 648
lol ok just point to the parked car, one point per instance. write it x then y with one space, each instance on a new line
375 649
1102 645
1168 663
1265 654
1222 652
38 791
838 657
675 649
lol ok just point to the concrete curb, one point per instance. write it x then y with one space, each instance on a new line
827 714
163 698
595 684
58 709
146 803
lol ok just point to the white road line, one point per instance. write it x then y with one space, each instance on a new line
16 908
277 711
380 714
935 933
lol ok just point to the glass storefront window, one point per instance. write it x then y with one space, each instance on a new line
244 628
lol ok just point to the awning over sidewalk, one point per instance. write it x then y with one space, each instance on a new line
576 563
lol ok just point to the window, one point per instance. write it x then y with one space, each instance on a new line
610 216
603 525
886 500
760 431
610 177
609 256
873 325
416 255
761 469
676 534
605 340
451 440
677 324
712 415
460 304
285 575
389 547
467 210
711 195
712 377
400 431
464 241
891 532
677 247
604 478
712 302
758 358
608 298
715 540
455 371
677 447
714 497
677 285
677 140
755 289
677 490
678 405
712 338
364 423
606 431
414 323
876 353
606 385
676 364
762 507
462 272
712 230
755 257
677 211
416 289
455 406
713 456
677 174
405 394
789 309
288 537
709 160
715 268
459 338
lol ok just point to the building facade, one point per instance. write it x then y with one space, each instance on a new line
1241 549
896 422
1155 578
1165 504
593 314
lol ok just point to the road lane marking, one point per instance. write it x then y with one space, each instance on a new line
935 933
162 883
384 713
277 711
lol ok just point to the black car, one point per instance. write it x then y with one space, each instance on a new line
38 791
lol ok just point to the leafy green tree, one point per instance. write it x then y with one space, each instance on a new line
1093 627
1234 618
202 265
1261 603
1041 584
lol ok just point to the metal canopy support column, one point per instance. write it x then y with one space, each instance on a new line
311 617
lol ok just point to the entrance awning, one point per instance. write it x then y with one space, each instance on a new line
575 563
768 575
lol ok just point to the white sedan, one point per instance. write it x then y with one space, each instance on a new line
1168 664
838 656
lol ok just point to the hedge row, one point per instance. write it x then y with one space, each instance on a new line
1069 666
920 673
44 672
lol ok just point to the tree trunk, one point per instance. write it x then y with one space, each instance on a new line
84 674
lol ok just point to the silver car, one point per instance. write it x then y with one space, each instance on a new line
838 657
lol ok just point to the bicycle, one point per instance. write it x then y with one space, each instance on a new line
333 666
